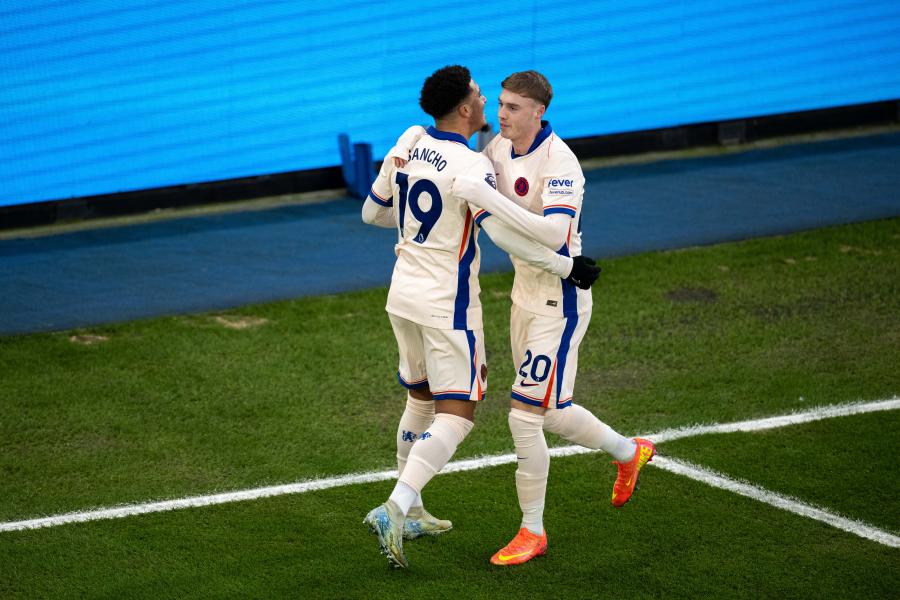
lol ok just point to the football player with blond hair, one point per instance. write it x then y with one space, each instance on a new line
537 171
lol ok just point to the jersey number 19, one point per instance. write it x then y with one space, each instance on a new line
410 196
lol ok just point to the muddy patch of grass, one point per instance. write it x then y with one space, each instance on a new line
239 322
692 294
87 339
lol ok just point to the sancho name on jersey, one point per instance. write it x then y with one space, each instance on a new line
435 279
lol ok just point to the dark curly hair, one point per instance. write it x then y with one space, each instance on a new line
444 90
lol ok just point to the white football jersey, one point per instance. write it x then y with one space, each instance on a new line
435 279
546 180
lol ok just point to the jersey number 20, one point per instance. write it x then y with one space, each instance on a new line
411 195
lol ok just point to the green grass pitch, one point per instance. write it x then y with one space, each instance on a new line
277 393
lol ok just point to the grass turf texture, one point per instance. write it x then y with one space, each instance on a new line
181 406
678 538
823 463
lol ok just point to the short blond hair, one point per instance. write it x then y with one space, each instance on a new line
530 84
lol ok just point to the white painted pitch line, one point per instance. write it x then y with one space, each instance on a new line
814 414
787 503
129 510
797 418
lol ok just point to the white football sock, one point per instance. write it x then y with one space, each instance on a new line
579 425
433 449
533 466
416 418
403 496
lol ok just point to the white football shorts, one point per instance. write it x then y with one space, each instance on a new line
450 361
545 353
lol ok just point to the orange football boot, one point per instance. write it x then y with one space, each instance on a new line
522 548
629 471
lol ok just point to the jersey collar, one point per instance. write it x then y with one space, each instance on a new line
446 135
542 135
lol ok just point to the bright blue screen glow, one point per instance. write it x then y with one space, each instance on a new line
104 96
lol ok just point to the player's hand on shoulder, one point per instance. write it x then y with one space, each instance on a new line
405 143
584 272
411 136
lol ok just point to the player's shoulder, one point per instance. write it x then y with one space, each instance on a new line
559 149
454 154
462 160
498 146
561 157
473 157
501 150
413 131
482 167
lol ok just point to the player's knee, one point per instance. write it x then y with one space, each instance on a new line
455 426
460 408
420 407
526 427
555 421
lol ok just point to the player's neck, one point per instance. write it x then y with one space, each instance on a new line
454 126
523 143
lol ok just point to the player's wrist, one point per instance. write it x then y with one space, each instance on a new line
566 266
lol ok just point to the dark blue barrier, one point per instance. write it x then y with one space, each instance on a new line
357 166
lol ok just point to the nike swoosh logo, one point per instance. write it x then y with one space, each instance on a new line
523 384
512 556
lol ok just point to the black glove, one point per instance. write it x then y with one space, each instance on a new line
584 272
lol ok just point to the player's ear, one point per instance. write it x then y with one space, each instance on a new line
540 111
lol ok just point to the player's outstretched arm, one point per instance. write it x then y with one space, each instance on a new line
579 270
528 250
550 230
